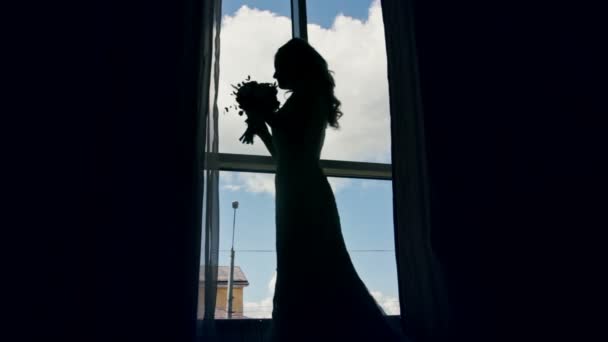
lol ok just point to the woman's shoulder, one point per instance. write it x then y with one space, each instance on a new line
303 107
306 102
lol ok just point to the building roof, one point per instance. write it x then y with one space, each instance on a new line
223 273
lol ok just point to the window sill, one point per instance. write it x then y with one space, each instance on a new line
254 329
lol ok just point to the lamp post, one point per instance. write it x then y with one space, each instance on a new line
235 206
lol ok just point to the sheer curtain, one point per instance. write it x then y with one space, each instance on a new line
421 288
210 49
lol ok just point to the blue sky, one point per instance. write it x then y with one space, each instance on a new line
365 206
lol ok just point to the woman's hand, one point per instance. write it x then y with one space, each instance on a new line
254 127
261 129
247 137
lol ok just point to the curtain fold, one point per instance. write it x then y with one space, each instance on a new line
421 289
210 49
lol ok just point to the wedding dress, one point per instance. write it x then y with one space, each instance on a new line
318 294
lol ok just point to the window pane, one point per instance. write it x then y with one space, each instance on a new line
251 33
365 209
366 216
254 241
350 35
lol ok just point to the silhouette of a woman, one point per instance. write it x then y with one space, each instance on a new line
318 294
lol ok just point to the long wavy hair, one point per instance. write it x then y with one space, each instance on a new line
304 65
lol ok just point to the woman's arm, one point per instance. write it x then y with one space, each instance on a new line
266 137
270 118
263 132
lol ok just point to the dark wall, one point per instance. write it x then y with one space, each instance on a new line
511 103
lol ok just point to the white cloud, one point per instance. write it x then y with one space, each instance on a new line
249 40
257 182
250 182
232 187
272 283
262 308
390 304
354 50
262 183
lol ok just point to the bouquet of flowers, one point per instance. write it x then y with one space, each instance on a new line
255 100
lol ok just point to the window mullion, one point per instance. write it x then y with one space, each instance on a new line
298 19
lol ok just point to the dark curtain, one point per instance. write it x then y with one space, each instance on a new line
512 121
421 288
148 188
210 52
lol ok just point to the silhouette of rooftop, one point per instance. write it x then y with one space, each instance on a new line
223 273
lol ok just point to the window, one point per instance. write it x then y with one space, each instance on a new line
356 157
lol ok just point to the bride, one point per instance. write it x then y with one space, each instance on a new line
318 294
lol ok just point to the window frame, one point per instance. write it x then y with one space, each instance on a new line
254 163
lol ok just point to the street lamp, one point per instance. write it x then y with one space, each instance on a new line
235 206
